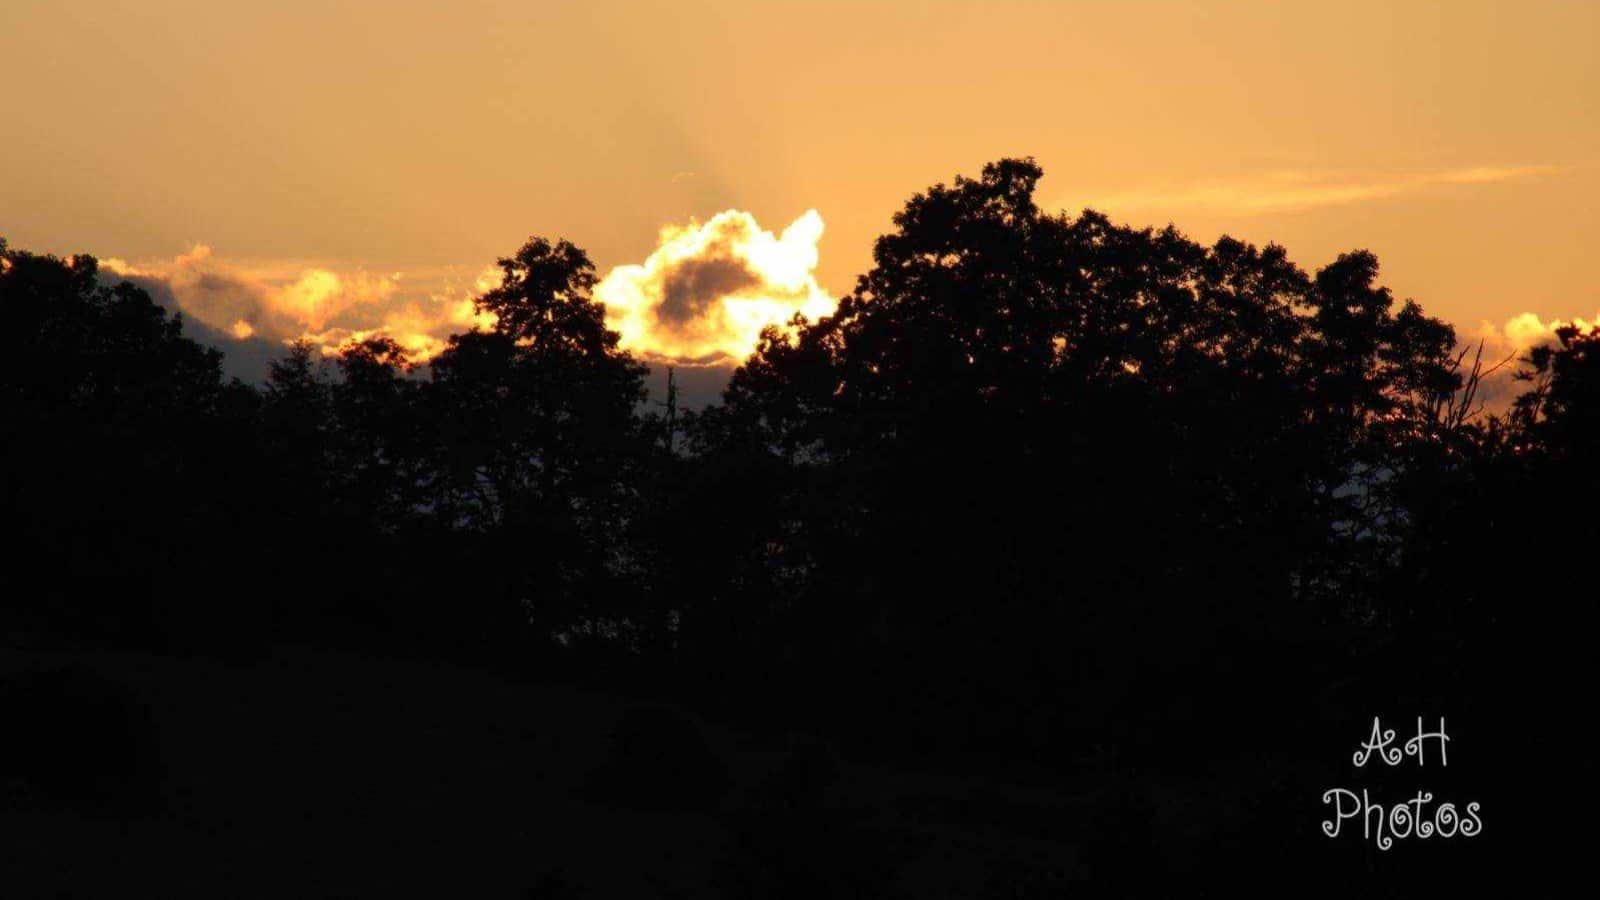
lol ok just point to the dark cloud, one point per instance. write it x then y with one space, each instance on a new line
690 288
247 359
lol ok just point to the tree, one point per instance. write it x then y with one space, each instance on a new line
297 423
116 449
538 435
1053 445
380 448
1560 413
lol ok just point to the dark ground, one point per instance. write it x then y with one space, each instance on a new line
310 773
322 773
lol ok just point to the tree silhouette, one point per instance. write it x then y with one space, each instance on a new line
1034 446
537 435
115 446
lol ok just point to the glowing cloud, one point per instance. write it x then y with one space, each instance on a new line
706 292
286 302
1523 332
702 297
1505 345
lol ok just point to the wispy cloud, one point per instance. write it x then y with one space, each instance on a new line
1293 190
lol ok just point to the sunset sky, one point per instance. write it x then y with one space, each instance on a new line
398 148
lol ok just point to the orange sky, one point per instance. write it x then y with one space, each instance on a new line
1457 140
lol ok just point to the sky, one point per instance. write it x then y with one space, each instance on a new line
331 168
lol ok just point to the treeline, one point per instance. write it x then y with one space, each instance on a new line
1044 485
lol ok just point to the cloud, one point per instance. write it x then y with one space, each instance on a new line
1297 190
702 297
691 289
284 302
1506 344
1524 331
706 292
